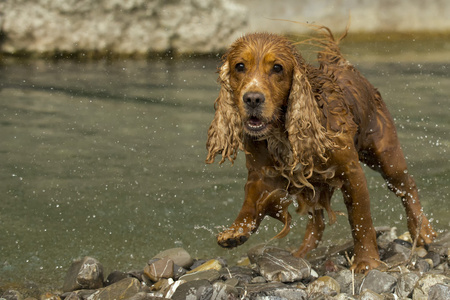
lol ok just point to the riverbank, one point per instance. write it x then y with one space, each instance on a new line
406 271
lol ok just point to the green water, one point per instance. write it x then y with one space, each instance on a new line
107 159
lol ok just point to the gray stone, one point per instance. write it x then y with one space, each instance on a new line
370 295
405 284
123 289
274 291
193 290
378 282
424 284
223 291
115 276
86 273
12 295
435 258
439 292
396 253
210 275
179 256
243 274
324 285
277 264
72 296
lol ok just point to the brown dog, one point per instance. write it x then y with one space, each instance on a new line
304 131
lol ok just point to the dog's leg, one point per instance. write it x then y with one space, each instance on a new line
392 166
257 194
356 197
313 233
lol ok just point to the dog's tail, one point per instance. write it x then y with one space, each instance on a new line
330 52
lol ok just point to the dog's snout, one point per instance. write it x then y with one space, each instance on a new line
254 99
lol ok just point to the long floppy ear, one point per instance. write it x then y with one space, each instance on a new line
307 136
225 132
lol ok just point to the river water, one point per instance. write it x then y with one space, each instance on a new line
106 159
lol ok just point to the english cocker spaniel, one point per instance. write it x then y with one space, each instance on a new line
304 131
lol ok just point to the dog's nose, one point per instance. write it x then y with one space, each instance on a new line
254 99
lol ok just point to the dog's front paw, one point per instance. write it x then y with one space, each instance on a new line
233 237
364 266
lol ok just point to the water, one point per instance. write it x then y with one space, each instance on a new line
107 159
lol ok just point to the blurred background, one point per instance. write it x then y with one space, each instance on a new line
105 105
200 26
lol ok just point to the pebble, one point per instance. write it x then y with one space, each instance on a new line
271 273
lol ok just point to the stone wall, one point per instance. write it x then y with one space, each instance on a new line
143 26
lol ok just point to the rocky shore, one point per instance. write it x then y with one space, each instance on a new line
406 272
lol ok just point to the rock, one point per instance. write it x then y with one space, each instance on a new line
124 289
86 273
276 264
127 27
223 291
378 282
405 284
162 268
424 284
199 289
179 256
49 296
396 253
212 264
422 265
370 295
439 292
210 275
324 285
72 296
115 276
435 258
274 290
348 282
243 274
12 295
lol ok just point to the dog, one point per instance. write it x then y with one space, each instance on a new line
304 131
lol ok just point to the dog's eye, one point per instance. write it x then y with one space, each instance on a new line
240 67
277 68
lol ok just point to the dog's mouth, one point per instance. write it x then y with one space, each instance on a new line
256 126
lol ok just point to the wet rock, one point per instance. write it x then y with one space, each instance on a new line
439 292
12 295
223 291
210 275
212 264
49 296
349 283
123 289
424 284
274 290
72 296
434 257
200 289
162 268
370 295
396 252
115 276
179 256
243 274
86 273
422 265
405 284
277 264
324 285
378 282
178 271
